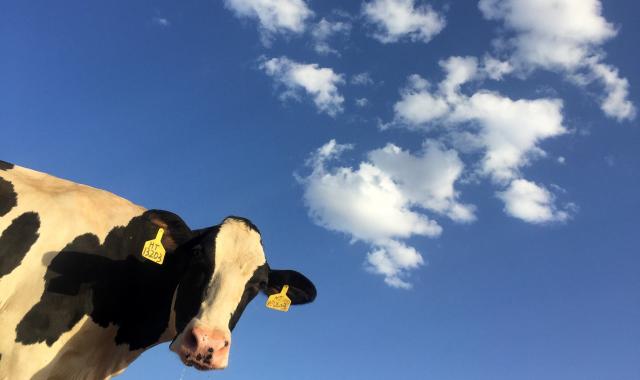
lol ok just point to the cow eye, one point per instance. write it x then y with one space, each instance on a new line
197 250
263 284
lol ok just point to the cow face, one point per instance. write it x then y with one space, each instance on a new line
226 271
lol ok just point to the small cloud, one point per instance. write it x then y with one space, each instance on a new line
610 160
551 34
615 102
273 16
495 68
362 79
392 259
320 83
561 160
161 21
532 203
325 30
396 20
362 102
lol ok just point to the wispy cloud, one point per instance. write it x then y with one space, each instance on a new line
362 79
362 102
161 21
273 16
324 30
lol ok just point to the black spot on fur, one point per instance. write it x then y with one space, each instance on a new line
8 197
5 165
112 283
193 284
252 288
16 241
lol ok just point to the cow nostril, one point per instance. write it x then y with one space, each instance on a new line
226 343
192 341
210 349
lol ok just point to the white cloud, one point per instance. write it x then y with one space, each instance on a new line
615 103
321 83
532 203
392 259
460 70
323 31
362 102
418 106
362 79
396 20
273 16
341 200
495 69
379 202
426 180
507 130
563 36
551 33
510 130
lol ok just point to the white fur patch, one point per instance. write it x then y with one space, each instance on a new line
238 254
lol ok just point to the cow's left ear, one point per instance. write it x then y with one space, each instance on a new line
176 231
301 289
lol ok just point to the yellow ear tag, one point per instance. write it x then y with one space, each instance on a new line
153 249
279 301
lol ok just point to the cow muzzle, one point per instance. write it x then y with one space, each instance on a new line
203 348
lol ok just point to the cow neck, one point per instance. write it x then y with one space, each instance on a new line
112 284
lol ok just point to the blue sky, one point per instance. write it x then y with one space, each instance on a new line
480 226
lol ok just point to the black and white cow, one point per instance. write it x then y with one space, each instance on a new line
79 301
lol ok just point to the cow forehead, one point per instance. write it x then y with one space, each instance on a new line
238 255
238 246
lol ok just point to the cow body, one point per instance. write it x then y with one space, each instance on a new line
79 301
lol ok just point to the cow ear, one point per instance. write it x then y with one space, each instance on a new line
301 289
176 231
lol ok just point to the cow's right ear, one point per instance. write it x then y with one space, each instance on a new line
301 289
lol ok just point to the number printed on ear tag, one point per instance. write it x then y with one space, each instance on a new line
153 249
279 301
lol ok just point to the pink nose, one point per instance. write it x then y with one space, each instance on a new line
205 348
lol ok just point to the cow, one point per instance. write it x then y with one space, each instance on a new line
81 296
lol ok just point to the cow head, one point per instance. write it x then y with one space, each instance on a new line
226 270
